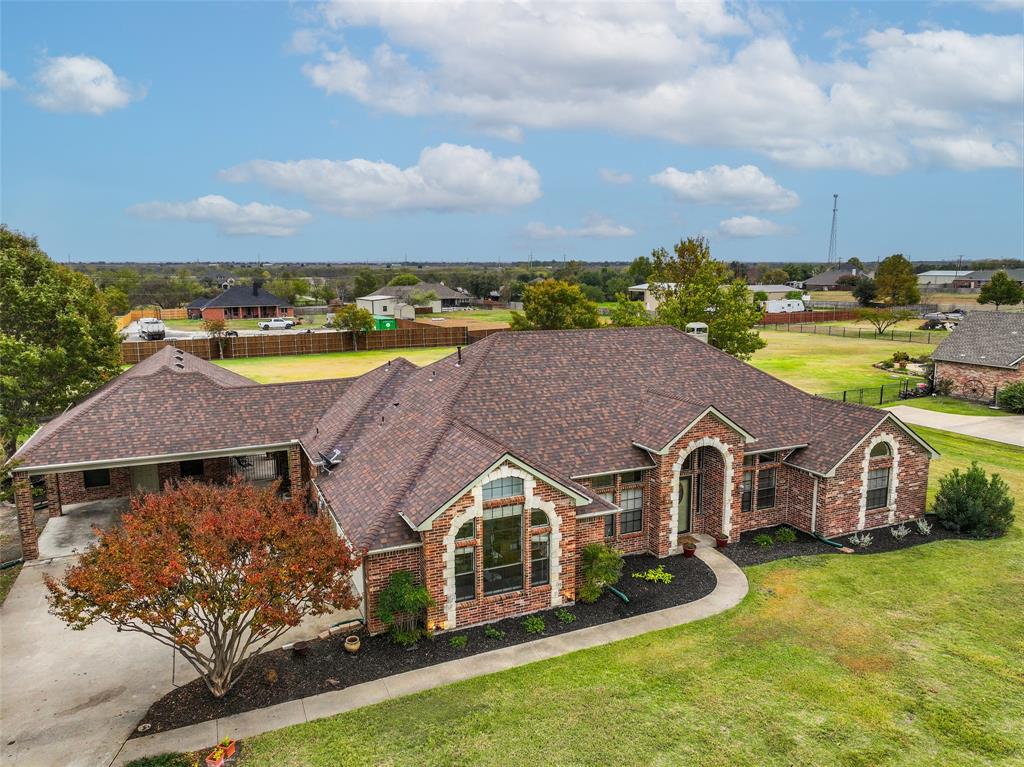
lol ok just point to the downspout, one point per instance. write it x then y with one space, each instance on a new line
814 519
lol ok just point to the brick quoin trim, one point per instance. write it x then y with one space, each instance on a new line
976 382
840 497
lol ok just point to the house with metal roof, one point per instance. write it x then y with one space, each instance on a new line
984 354
485 474
982 277
240 302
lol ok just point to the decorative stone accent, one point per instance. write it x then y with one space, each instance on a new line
673 520
879 463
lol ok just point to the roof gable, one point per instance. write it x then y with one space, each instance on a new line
994 339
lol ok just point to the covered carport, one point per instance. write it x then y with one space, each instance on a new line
171 417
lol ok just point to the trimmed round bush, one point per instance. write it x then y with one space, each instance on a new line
1012 397
972 502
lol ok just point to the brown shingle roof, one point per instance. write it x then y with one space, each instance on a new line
173 403
995 339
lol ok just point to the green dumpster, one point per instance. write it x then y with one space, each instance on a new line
385 323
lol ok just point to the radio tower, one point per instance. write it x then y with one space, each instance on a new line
833 255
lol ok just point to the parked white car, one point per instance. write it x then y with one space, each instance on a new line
277 323
151 329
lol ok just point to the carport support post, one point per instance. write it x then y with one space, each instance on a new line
53 496
26 520
294 469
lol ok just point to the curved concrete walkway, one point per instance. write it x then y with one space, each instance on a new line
731 588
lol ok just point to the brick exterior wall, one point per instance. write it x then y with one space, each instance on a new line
976 382
377 570
840 496
26 517
73 489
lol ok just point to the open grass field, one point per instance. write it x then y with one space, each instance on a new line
307 367
907 658
196 326
817 363
474 319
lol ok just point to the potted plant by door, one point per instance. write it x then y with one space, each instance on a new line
215 758
721 540
352 644
228 744
689 548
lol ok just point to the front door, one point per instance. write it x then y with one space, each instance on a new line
684 503
145 479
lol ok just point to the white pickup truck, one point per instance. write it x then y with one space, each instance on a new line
151 329
277 323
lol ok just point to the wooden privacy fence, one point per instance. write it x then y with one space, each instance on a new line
786 318
280 344
161 314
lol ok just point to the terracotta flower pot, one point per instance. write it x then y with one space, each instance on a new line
229 747
721 541
300 649
689 550
216 758
352 644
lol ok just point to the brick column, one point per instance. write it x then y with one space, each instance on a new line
26 517
53 502
294 468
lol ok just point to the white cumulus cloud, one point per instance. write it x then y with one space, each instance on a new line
969 152
229 217
699 74
743 187
749 226
597 228
615 177
446 178
81 84
6 81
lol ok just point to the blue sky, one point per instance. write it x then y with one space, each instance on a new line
227 131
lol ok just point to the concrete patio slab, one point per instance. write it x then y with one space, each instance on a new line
729 591
72 533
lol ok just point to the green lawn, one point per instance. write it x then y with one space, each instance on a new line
196 326
487 315
818 363
907 658
306 367
952 405
7 579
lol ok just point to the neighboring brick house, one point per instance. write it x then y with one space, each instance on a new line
486 473
984 354
240 302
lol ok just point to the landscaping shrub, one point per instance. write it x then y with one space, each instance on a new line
785 535
944 387
564 616
602 567
1012 397
924 527
458 641
862 539
534 624
492 633
900 532
400 607
763 540
974 503
655 575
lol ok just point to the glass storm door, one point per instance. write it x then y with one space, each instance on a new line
684 503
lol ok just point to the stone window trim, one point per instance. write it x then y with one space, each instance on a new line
893 462
476 510
727 490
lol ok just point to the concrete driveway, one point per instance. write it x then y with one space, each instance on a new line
1000 428
72 698
73 533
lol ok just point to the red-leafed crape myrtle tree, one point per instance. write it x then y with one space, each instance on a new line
216 572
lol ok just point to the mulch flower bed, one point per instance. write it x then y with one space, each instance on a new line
326 666
746 552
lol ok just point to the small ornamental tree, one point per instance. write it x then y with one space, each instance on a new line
865 291
897 281
217 329
601 567
1011 397
400 607
972 502
352 317
882 319
216 572
1001 291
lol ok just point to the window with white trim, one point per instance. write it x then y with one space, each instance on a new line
467 531
465 574
538 518
747 488
503 549
505 487
540 569
881 450
631 518
609 525
878 488
766 488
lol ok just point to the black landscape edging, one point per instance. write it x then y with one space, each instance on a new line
326 666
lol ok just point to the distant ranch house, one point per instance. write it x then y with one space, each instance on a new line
646 292
831 278
984 354
396 301
485 474
980 278
240 302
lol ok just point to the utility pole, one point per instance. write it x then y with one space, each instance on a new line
833 255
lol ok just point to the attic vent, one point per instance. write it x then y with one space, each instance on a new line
179 365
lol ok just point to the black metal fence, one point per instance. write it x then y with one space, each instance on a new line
880 395
262 467
845 331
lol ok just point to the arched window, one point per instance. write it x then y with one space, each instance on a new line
506 487
880 450
538 518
